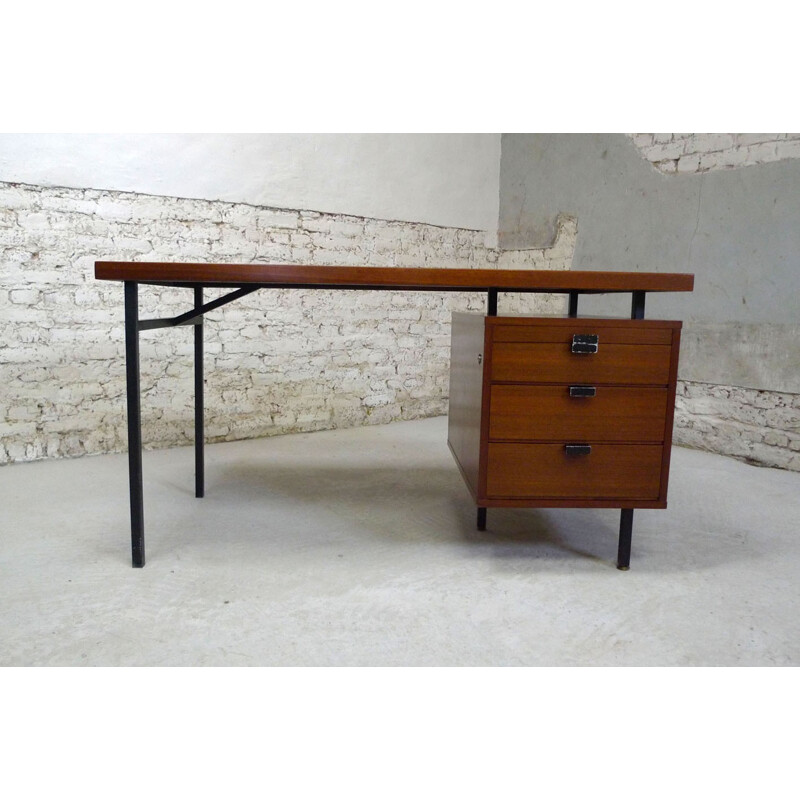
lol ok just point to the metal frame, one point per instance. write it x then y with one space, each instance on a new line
134 421
199 434
133 326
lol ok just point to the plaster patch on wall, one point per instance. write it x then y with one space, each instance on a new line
277 361
557 256
673 153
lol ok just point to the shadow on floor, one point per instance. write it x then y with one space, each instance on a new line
399 503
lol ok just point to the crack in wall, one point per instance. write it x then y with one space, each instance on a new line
696 221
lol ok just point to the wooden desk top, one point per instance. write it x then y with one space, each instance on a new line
422 278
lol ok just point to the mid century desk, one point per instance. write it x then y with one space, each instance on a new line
506 372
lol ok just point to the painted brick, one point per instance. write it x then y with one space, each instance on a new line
24 296
665 152
709 142
703 152
788 149
757 426
277 361
689 163
755 138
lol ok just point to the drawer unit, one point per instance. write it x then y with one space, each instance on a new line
563 411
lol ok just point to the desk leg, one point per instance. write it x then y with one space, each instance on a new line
199 435
573 304
637 305
134 421
625 532
481 518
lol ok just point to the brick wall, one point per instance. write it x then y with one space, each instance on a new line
276 361
701 152
756 426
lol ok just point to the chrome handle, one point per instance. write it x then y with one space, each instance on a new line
587 343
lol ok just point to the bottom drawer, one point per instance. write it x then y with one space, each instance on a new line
546 470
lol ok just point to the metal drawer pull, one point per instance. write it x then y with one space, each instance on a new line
578 449
585 343
582 391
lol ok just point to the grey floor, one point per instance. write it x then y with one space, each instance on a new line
358 547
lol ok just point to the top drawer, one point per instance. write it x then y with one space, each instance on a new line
554 363
621 332
626 352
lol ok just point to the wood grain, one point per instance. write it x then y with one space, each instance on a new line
528 416
423 278
562 331
670 414
610 471
550 362
615 414
464 417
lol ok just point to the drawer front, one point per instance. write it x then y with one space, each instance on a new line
554 362
609 471
616 333
614 414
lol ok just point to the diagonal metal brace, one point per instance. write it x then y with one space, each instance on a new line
195 316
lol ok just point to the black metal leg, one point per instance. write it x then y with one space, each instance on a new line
625 532
481 518
134 421
491 303
199 436
637 305
573 304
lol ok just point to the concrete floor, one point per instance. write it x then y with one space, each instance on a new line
358 547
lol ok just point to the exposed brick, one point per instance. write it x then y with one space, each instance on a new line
701 152
761 427
664 152
689 163
709 142
276 361
755 138
24 296
788 149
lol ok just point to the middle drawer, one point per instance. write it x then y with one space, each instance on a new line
547 413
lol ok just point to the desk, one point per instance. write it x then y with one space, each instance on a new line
246 278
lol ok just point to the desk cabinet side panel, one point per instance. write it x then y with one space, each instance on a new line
467 361
670 415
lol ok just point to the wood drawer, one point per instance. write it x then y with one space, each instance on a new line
562 330
553 362
615 414
610 471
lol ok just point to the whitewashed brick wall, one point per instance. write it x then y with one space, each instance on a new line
756 426
276 361
700 152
